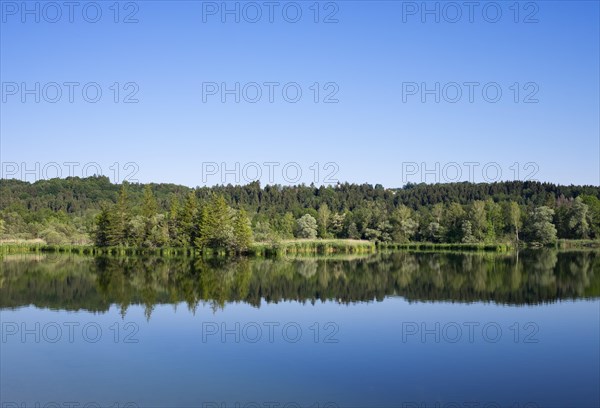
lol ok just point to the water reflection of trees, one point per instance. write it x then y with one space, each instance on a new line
73 282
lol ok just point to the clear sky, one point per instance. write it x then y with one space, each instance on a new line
378 66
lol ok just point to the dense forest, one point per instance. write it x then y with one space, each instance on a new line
93 210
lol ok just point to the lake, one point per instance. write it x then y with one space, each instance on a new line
400 329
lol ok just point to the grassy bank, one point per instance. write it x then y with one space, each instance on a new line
13 248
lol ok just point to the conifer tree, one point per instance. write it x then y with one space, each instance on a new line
101 237
323 220
242 232
119 220
149 206
187 220
216 228
173 222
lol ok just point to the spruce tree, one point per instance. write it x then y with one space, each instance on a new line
242 232
173 222
187 220
102 228
149 206
119 219
216 228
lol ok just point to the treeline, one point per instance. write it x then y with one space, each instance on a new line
93 210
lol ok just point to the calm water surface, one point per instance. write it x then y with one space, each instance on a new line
414 330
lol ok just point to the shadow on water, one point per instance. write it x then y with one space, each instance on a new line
71 282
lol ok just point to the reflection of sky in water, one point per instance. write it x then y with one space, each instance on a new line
370 365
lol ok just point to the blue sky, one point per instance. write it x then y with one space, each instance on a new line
372 59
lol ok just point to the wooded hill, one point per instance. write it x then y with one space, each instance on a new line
62 211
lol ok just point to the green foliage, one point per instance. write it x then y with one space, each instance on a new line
120 217
435 232
512 218
323 221
353 231
453 218
404 224
285 226
467 233
263 231
216 226
475 227
188 220
149 206
75 210
593 204
102 225
307 227
495 220
337 225
540 228
173 222
578 219
242 232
